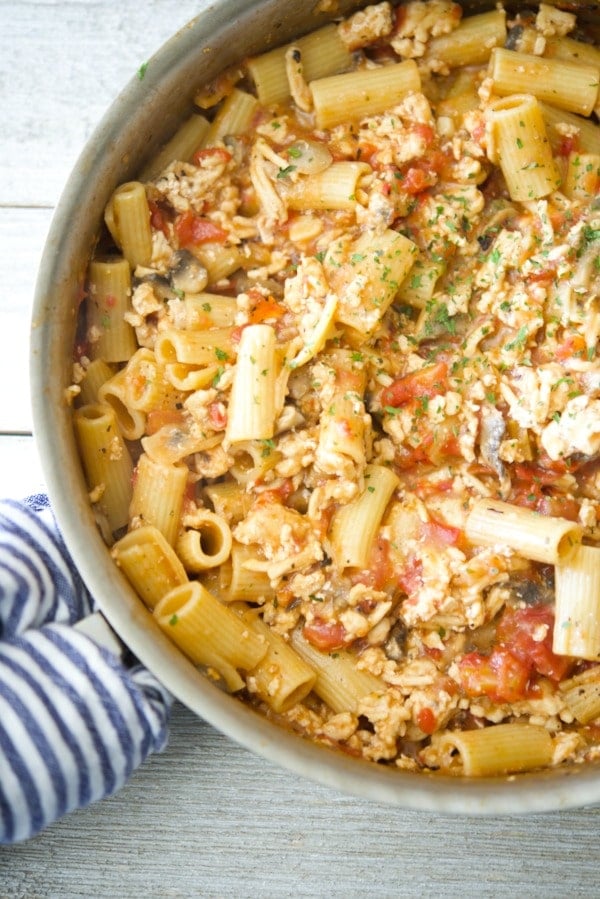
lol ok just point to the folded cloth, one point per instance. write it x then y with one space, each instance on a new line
74 720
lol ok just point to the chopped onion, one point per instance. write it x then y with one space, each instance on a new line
309 157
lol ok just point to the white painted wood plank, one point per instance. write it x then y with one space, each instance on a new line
20 469
287 840
206 818
22 236
62 64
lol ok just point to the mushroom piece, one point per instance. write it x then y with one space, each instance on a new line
491 434
395 646
187 273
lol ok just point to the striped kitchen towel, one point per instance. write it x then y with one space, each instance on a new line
74 720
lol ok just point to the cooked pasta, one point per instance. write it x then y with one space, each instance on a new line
340 390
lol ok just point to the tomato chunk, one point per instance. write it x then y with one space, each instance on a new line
192 230
426 720
416 180
216 153
501 675
429 381
325 635
267 308
528 635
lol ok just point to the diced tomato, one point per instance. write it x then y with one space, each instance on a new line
558 506
532 473
527 633
526 496
193 230
158 418
278 494
424 131
426 487
325 635
217 416
266 308
379 572
440 534
158 219
429 381
415 180
219 153
533 489
411 578
408 457
568 143
426 720
574 345
501 676
367 151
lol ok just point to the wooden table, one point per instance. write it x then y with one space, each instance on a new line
206 818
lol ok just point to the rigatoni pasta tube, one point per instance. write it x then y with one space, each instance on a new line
147 386
97 372
158 495
206 542
577 605
587 132
471 43
218 260
342 424
252 459
354 95
131 421
322 53
209 310
582 695
354 525
180 148
519 143
366 276
568 85
539 537
204 348
499 749
189 378
174 441
234 117
236 582
418 287
106 461
339 682
583 175
210 633
111 337
127 217
252 409
333 188
149 563
282 678
229 500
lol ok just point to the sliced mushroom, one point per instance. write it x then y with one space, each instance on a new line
161 287
188 274
395 645
491 434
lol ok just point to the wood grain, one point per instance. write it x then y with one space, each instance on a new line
206 818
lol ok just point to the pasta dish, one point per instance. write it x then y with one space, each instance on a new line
337 390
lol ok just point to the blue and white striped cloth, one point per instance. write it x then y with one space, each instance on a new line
74 721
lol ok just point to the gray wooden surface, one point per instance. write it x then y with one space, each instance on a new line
206 818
